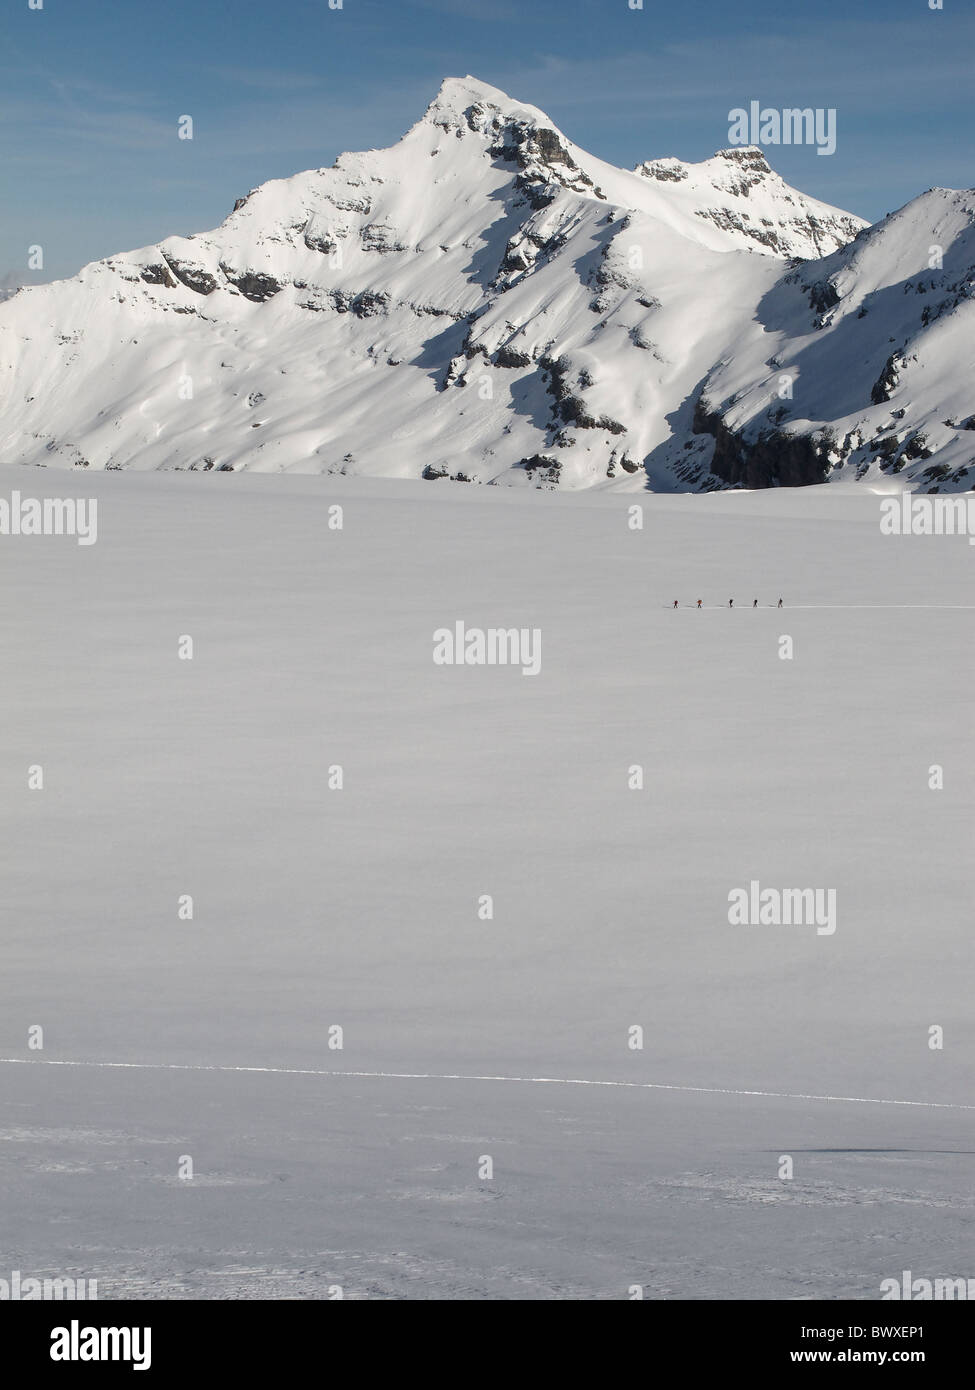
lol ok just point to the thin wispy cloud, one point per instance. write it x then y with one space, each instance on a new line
498 11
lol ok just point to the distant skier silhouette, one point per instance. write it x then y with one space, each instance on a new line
675 603
754 602
731 603
780 603
699 603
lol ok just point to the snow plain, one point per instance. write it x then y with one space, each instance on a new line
358 908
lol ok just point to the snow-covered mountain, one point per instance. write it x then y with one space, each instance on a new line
485 301
877 342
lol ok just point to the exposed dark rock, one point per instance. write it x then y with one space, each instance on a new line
639 340
537 195
917 447
541 467
253 284
823 296
159 274
540 155
369 303
887 380
886 448
324 242
510 357
772 458
349 204
938 473
516 258
739 222
377 236
195 278
666 173
570 408
608 281
572 411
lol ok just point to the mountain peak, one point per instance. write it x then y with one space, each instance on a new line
739 191
458 95
486 301
670 168
459 92
751 155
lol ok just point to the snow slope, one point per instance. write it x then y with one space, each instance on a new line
878 340
315 907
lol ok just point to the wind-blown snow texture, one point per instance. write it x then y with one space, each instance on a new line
486 301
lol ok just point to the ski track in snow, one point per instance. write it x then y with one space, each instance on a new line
940 607
461 1076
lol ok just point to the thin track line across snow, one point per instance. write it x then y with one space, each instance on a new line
459 1076
791 607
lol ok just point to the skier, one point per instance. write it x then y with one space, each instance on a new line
731 603
780 603
675 603
699 603
754 602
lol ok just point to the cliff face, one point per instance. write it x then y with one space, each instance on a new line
771 459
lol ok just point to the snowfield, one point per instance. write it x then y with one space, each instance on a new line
316 908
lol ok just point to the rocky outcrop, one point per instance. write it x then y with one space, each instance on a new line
570 407
159 274
194 277
253 285
887 380
772 458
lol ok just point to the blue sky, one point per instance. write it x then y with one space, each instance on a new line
91 92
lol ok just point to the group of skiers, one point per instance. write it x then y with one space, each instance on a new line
731 603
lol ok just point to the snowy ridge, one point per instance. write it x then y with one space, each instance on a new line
738 191
878 340
487 302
